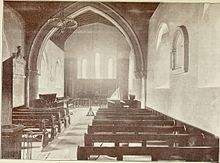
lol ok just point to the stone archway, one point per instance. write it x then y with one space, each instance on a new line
75 10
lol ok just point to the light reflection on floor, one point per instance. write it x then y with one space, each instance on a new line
64 146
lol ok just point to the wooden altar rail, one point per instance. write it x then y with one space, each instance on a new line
81 102
86 102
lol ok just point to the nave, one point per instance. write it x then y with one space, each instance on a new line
110 81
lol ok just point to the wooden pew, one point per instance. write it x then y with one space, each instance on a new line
56 123
169 139
64 114
123 103
122 114
50 102
135 129
38 129
35 122
187 153
136 110
113 103
130 117
180 142
66 102
131 103
61 112
134 122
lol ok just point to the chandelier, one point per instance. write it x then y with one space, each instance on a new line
62 23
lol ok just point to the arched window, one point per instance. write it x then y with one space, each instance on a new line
44 72
84 68
180 50
58 73
162 58
110 68
79 69
97 66
162 34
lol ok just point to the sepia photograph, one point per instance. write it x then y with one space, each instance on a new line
108 81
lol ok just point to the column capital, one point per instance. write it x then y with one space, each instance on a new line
31 72
144 73
140 74
137 74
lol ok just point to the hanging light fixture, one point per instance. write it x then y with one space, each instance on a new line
62 23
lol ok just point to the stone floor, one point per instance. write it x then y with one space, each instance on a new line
64 146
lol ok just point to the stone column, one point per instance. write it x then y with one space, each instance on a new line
140 87
144 88
31 86
70 75
122 76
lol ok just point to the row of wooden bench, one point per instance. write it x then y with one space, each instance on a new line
123 103
159 136
43 123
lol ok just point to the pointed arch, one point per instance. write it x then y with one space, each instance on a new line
75 10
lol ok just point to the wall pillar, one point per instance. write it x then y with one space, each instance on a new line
31 86
122 76
70 75
140 87
144 88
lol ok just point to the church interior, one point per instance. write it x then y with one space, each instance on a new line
110 81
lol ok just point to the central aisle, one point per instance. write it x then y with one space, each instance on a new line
64 146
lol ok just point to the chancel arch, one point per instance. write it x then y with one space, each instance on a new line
73 11
77 9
